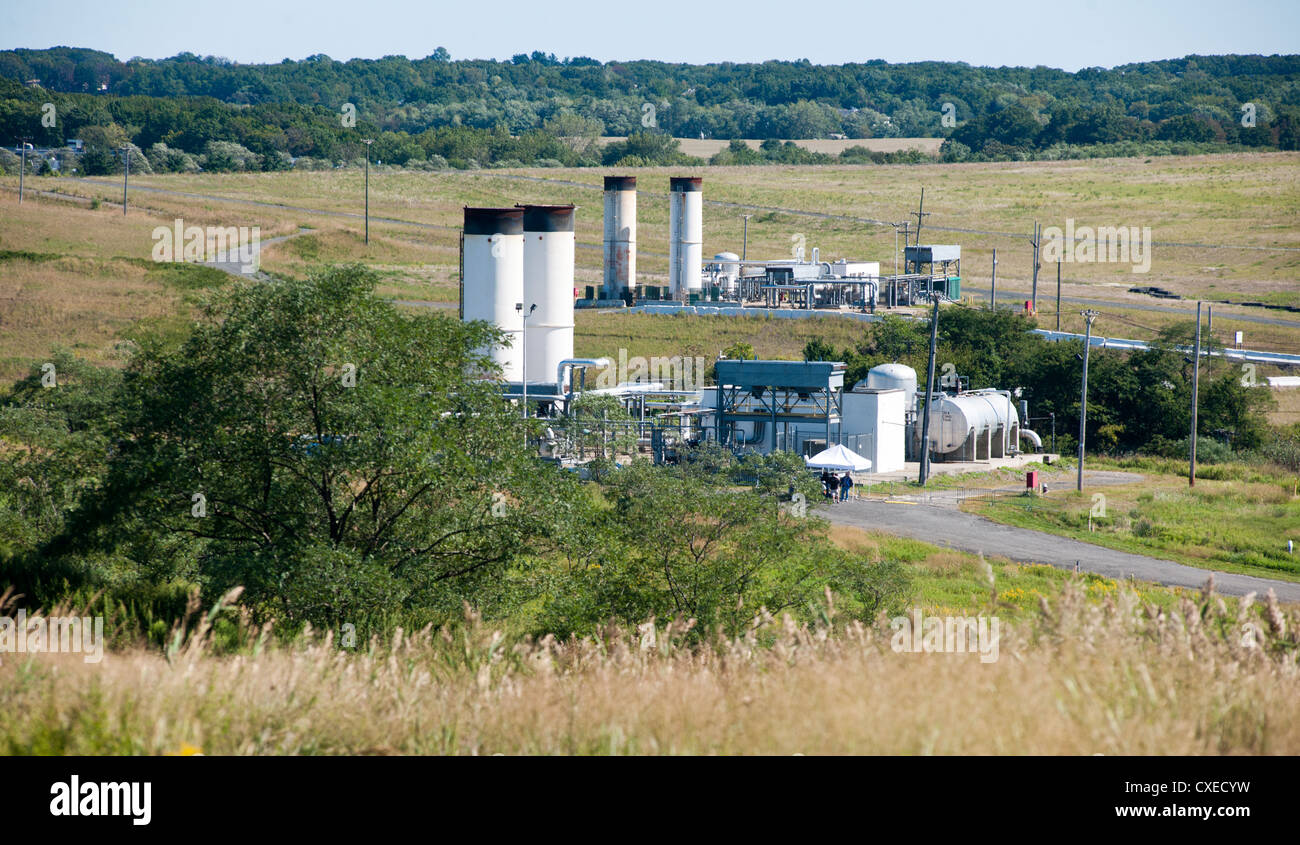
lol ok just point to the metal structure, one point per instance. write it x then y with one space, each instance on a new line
769 397
685 236
928 269
492 280
620 238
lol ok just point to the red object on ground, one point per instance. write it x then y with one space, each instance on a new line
1031 480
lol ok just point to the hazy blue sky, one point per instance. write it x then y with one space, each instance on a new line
1067 34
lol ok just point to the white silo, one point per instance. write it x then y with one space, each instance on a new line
620 237
493 281
548 283
685 235
888 376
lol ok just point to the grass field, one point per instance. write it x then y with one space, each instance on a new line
1238 199
704 148
1237 518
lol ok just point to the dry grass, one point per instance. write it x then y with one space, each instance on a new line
1114 677
1287 411
707 147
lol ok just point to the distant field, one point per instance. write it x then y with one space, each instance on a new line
704 148
1250 200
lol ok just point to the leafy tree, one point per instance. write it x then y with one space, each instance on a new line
336 457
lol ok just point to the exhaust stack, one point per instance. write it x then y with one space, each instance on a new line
493 279
685 235
620 238
548 282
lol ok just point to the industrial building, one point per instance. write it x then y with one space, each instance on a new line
517 272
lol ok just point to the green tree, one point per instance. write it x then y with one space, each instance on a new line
333 455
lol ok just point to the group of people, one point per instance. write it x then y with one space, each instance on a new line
836 487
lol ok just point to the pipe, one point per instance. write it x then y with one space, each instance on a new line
561 370
1033 438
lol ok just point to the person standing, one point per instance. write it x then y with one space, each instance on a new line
833 485
846 484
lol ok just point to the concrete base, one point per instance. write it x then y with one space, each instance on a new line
912 469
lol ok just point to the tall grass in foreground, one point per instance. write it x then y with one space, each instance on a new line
1115 677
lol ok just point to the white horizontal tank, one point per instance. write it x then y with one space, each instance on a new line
981 424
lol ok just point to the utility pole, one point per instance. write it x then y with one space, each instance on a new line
1058 294
22 167
993 283
1196 379
1088 317
744 247
1036 240
929 392
368 142
126 174
918 214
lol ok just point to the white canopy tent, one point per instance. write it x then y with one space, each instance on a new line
839 459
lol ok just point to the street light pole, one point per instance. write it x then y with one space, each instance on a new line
1088 317
368 142
523 351
744 247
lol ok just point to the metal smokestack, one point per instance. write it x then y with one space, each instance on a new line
620 237
493 280
685 235
548 282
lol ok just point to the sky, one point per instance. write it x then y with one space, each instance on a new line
1066 34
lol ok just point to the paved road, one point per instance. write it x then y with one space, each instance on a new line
1187 307
938 520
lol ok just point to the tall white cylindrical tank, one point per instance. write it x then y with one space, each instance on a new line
493 280
955 418
685 235
548 283
894 376
620 236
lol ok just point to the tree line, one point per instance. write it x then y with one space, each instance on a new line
540 109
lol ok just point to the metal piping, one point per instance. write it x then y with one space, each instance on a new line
561 371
